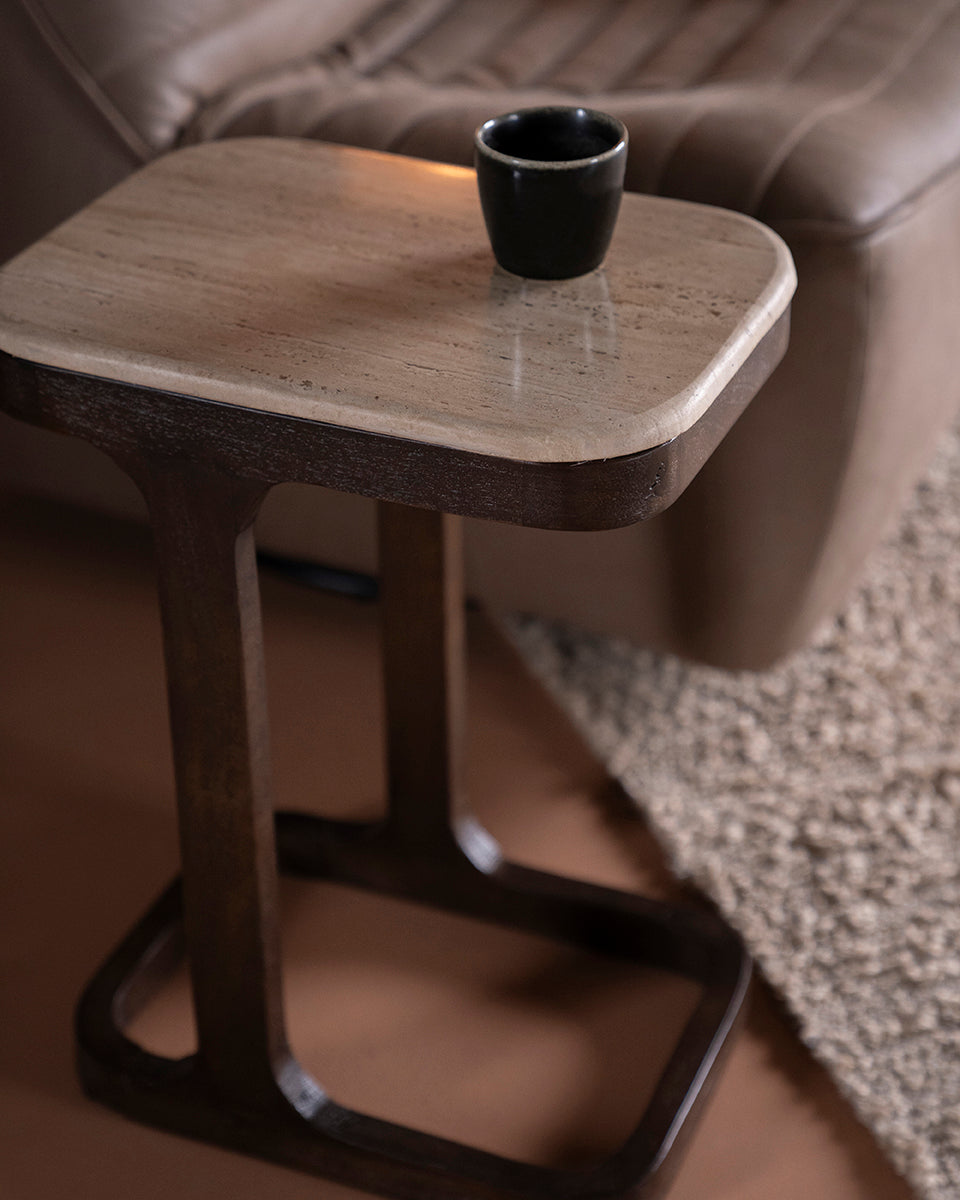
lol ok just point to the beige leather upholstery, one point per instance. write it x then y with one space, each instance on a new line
836 121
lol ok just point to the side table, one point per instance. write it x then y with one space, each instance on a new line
259 311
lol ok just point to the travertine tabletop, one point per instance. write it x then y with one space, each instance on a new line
359 289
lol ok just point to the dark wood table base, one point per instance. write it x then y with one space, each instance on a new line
290 1120
441 388
204 481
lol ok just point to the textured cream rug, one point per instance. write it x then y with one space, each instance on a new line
819 805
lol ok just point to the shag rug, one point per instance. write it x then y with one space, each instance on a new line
818 804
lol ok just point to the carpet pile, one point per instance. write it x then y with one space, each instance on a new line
818 804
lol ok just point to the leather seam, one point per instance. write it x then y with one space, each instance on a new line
750 27
802 129
839 15
902 211
58 46
664 35
598 22
390 48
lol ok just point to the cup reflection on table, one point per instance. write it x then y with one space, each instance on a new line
581 330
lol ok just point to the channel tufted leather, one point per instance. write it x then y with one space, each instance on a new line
793 110
837 121
153 64
790 110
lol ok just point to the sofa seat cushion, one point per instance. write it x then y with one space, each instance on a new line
820 111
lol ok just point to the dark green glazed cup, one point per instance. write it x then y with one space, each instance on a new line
550 182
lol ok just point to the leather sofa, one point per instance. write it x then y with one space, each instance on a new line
835 121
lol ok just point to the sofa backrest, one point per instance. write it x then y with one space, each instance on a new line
148 65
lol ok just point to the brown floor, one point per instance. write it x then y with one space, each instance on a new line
499 1039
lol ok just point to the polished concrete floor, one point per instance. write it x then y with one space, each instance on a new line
505 1041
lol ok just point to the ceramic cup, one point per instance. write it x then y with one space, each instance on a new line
550 182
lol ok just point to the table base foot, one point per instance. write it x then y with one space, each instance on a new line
300 1126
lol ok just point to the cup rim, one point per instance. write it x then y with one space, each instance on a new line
550 164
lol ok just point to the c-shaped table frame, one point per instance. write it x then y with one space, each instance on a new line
204 469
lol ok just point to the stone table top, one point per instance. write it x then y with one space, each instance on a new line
359 289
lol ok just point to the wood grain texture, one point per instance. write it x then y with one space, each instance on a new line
123 419
359 289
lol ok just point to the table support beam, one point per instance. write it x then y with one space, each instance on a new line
210 606
421 581
243 1088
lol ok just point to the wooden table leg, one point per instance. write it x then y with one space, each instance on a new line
424 676
421 597
210 605
210 608
243 1088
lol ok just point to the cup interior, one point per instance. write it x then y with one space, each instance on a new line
552 134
